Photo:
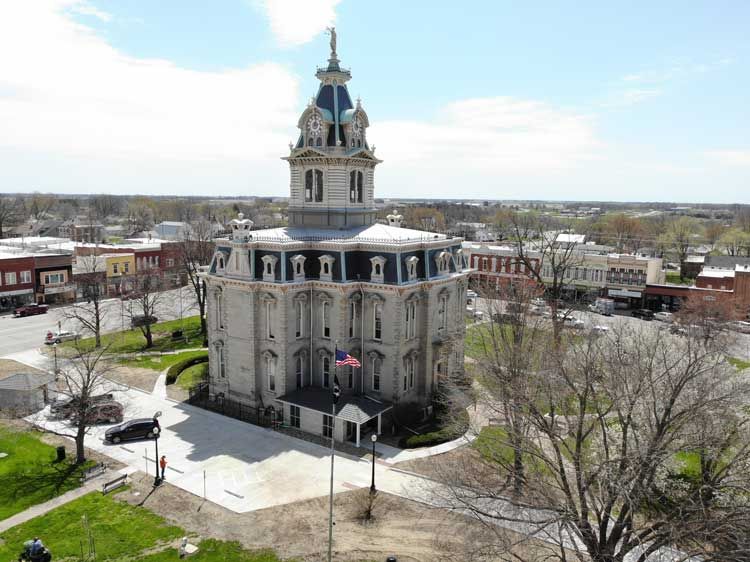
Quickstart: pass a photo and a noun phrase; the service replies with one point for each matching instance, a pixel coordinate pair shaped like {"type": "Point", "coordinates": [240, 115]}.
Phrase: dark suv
{"type": "Point", "coordinates": [643, 314]}
{"type": "Point", "coordinates": [142, 428]}
{"type": "Point", "coordinates": [142, 320]}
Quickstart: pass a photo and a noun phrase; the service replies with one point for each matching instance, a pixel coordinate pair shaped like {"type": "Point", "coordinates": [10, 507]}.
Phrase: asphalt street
{"type": "Point", "coordinates": [739, 348]}
{"type": "Point", "coordinates": [18, 334]}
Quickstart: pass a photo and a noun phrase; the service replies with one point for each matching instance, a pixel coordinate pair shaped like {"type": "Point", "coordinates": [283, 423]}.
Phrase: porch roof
{"type": "Point", "coordinates": [353, 408]}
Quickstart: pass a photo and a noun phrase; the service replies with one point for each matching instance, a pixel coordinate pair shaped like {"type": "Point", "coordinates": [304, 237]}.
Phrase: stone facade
{"type": "Point", "coordinates": [281, 301]}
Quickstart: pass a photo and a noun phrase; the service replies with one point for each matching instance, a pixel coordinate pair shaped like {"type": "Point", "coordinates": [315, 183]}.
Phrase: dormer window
{"type": "Point", "coordinates": [298, 267]}
{"type": "Point", "coordinates": [314, 186]}
{"type": "Point", "coordinates": [442, 260]}
{"type": "Point", "coordinates": [356, 180]}
{"type": "Point", "coordinates": [326, 267]}
{"type": "Point", "coordinates": [377, 273]}
{"type": "Point", "coordinates": [269, 267]}
{"type": "Point", "coordinates": [411, 268]}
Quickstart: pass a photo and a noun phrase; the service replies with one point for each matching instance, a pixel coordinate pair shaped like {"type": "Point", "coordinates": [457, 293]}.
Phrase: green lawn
{"type": "Point", "coordinates": [131, 341]}
{"type": "Point", "coordinates": [493, 444]}
{"type": "Point", "coordinates": [29, 475]}
{"type": "Point", "coordinates": [159, 363]}
{"type": "Point", "coordinates": [192, 376]}
{"type": "Point", "coordinates": [675, 279]}
{"type": "Point", "coordinates": [741, 364]}
{"type": "Point", "coordinates": [121, 533]}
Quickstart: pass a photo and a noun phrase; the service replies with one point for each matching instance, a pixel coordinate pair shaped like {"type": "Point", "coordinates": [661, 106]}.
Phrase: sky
{"type": "Point", "coordinates": [590, 100]}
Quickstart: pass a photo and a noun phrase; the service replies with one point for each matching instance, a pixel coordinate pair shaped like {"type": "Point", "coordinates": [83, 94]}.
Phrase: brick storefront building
{"type": "Point", "coordinates": [16, 280]}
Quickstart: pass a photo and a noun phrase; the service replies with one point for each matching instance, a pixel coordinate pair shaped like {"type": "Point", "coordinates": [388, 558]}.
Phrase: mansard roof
{"type": "Point", "coordinates": [371, 233]}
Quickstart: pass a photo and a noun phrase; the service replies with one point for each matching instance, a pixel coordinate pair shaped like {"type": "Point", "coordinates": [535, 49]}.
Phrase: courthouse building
{"type": "Point", "coordinates": [281, 300]}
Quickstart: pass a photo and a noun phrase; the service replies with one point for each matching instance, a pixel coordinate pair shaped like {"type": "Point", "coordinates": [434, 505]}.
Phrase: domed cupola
{"type": "Point", "coordinates": [332, 166]}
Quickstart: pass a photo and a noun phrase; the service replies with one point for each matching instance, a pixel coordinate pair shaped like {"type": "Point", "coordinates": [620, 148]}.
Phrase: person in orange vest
{"type": "Point", "coordinates": [163, 465]}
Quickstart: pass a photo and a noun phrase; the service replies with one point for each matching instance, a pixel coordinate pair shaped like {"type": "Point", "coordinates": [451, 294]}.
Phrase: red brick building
{"type": "Point", "coordinates": [53, 278]}
{"type": "Point", "coordinates": [16, 280]}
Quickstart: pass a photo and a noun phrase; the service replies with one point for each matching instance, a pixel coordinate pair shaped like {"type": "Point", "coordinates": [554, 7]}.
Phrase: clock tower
{"type": "Point", "coordinates": [332, 166]}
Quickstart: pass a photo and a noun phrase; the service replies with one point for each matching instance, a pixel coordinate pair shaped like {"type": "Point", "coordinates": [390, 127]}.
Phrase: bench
{"type": "Point", "coordinates": [92, 472]}
{"type": "Point", "coordinates": [107, 487]}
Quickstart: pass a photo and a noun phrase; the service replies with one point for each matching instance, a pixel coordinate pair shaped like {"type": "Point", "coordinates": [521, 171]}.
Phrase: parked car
{"type": "Point", "coordinates": [142, 320]}
{"type": "Point", "coordinates": [59, 337]}
{"type": "Point", "coordinates": [678, 330]}
{"type": "Point", "coordinates": [573, 322]}
{"type": "Point", "coordinates": [600, 329]}
{"type": "Point", "coordinates": [739, 326]}
{"type": "Point", "coordinates": [30, 310]}
{"type": "Point", "coordinates": [643, 314]}
{"type": "Point", "coordinates": [540, 302]}
{"type": "Point", "coordinates": [104, 412]}
{"type": "Point", "coordinates": [471, 294]}
{"type": "Point", "coordinates": [142, 428]}
{"type": "Point", "coordinates": [603, 306]}
{"type": "Point", "coordinates": [65, 408]}
{"type": "Point", "coordinates": [664, 316]}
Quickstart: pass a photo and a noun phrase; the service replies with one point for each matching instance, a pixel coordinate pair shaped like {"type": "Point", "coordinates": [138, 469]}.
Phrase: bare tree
{"type": "Point", "coordinates": [41, 205]}
{"type": "Point", "coordinates": [639, 441]}
{"type": "Point", "coordinates": [82, 378]}
{"type": "Point", "coordinates": [510, 347]}
{"type": "Point", "coordinates": [196, 250]}
{"type": "Point", "coordinates": [90, 281]}
{"type": "Point", "coordinates": [147, 299]}
{"type": "Point", "coordinates": [9, 213]}
{"type": "Point", "coordinates": [547, 261]}
{"type": "Point", "coordinates": [680, 233]}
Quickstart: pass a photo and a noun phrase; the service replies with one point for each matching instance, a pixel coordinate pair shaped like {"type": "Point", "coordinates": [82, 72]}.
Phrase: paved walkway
{"type": "Point", "coordinates": [42, 508]}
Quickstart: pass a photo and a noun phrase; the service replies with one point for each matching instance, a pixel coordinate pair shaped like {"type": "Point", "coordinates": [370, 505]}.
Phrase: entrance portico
{"type": "Point", "coordinates": [314, 406]}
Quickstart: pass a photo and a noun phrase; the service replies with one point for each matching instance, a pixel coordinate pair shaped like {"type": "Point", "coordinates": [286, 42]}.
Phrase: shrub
{"type": "Point", "coordinates": [452, 430]}
{"type": "Point", "coordinates": [174, 371]}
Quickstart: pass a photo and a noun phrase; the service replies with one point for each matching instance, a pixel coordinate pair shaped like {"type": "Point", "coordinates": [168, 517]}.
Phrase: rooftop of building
{"type": "Point", "coordinates": [375, 233]}
{"type": "Point", "coordinates": [716, 272]}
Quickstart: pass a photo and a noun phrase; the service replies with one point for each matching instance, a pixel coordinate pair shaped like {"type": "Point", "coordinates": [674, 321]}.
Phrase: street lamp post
{"type": "Point", "coordinates": [374, 439]}
{"type": "Point", "coordinates": [54, 348]}
{"type": "Point", "coordinates": [157, 431]}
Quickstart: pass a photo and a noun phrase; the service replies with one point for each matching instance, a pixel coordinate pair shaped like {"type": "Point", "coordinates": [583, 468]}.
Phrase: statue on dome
{"type": "Point", "coordinates": [332, 32]}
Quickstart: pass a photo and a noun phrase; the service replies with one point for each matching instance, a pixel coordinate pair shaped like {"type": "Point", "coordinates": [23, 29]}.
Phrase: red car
{"type": "Point", "coordinates": [30, 310]}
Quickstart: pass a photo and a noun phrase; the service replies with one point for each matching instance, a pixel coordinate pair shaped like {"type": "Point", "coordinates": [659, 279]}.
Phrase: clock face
{"type": "Point", "coordinates": [357, 126]}
{"type": "Point", "coordinates": [314, 124]}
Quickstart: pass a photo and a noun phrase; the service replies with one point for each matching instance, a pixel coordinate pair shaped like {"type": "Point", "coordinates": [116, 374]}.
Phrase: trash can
{"type": "Point", "coordinates": [60, 453]}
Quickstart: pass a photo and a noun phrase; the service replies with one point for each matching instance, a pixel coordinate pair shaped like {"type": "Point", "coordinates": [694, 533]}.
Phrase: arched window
{"type": "Point", "coordinates": [314, 185]}
{"type": "Point", "coordinates": [318, 185]}
{"type": "Point", "coordinates": [271, 372]}
{"type": "Point", "coordinates": [299, 323]}
{"type": "Point", "coordinates": [221, 360]}
{"type": "Point", "coordinates": [377, 321]}
{"type": "Point", "coordinates": [325, 269]}
{"type": "Point", "coordinates": [299, 268]}
{"type": "Point", "coordinates": [220, 264]}
{"type": "Point", "coordinates": [310, 142]}
{"type": "Point", "coordinates": [300, 366]}
{"type": "Point", "coordinates": [319, 141]}
{"type": "Point", "coordinates": [355, 186]}
{"type": "Point", "coordinates": [326, 369]}
{"type": "Point", "coordinates": [377, 269]}
{"type": "Point", "coordinates": [326, 319]}
{"type": "Point", "coordinates": [269, 271]}
{"type": "Point", "coordinates": [377, 368]}
{"type": "Point", "coordinates": [219, 310]}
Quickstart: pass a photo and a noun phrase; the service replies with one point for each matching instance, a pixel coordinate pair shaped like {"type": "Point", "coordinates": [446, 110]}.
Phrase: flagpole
{"type": "Point", "coordinates": [333, 450]}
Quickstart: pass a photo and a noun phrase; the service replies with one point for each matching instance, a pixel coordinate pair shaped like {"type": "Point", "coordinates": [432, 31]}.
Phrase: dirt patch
{"type": "Point", "coordinates": [411, 531]}
{"type": "Point", "coordinates": [145, 379]}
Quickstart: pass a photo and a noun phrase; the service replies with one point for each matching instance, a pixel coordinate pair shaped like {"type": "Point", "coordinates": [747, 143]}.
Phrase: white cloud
{"type": "Point", "coordinates": [65, 92]}
{"type": "Point", "coordinates": [86, 9]}
{"type": "Point", "coordinates": [730, 157]}
{"type": "Point", "coordinates": [631, 96]}
{"type": "Point", "coordinates": [480, 144]}
{"type": "Point", "coordinates": [296, 22]}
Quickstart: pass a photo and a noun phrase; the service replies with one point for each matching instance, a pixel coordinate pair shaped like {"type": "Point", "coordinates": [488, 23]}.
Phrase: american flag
{"type": "Point", "coordinates": [343, 359]}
